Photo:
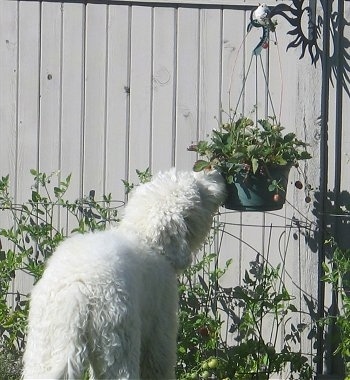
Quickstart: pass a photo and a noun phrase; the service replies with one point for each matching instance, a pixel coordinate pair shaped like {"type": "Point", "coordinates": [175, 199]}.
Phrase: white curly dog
{"type": "Point", "coordinates": [109, 300]}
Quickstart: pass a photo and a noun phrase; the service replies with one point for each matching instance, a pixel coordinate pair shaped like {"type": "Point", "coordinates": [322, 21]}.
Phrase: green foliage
{"type": "Point", "coordinates": [143, 176]}
{"type": "Point", "coordinates": [200, 324]}
{"type": "Point", "coordinates": [262, 298]}
{"type": "Point", "coordinates": [337, 273]}
{"type": "Point", "coordinates": [240, 147]}
{"type": "Point", "coordinates": [10, 365]}
{"type": "Point", "coordinates": [33, 234]}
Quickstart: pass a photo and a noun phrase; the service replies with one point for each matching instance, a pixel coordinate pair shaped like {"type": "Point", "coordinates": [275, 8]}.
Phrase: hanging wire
{"type": "Point", "coordinates": [267, 87]}
{"type": "Point", "coordinates": [281, 76]}
{"type": "Point", "coordinates": [257, 53]}
{"type": "Point", "coordinates": [243, 86]}
{"type": "Point", "coordinates": [235, 63]}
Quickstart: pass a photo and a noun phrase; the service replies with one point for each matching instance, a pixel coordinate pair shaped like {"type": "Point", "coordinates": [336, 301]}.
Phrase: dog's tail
{"type": "Point", "coordinates": [56, 346]}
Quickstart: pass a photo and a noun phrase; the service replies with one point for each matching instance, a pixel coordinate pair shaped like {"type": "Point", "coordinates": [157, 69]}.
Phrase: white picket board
{"type": "Point", "coordinates": [253, 86]}
{"type": "Point", "coordinates": [210, 43]}
{"type": "Point", "coordinates": [343, 223]}
{"type": "Point", "coordinates": [95, 98]}
{"type": "Point", "coordinates": [117, 102]}
{"type": "Point", "coordinates": [28, 109]}
{"type": "Point", "coordinates": [305, 124]}
{"type": "Point", "coordinates": [28, 95]}
{"type": "Point", "coordinates": [50, 87]}
{"type": "Point", "coordinates": [233, 26]}
{"type": "Point", "coordinates": [331, 169]}
{"type": "Point", "coordinates": [72, 96]}
{"type": "Point", "coordinates": [283, 68]}
{"type": "Point", "coordinates": [8, 82]}
{"type": "Point", "coordinates": [8, 108]}
{"type": "Point", "coordinates": [187, 85]}
{"type": "Point", "coordinates": [140, 90]}
{"type": "Point", "coordinates": [163, 84]}
{"type": "Point", "coordinates": [49, 137]}
{"type": "Point", "coordinates": [278, 231]}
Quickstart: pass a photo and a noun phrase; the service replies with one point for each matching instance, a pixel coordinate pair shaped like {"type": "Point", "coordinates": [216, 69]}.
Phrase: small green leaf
{"type": "Point", "coordinates": [281, 161]}
{"type": "Point", "coordinates": [36, 196]}
{"type": "Point", "coordinates": [289, 137]}
{"type": "Point", "coordinates": [230, 179]}
{"type": "Point", "coordinates": [304, 155]}
{"type": "Point", "coordinates": [57, 191]}
{"type": "Point", "coordinates": [255, 164]}
{"type": "Point", "coordinates": [201, 165]}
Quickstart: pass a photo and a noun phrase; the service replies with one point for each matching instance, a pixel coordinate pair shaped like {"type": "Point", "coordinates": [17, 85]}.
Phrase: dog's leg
{"type": "Point", "coordinates": [114, 347]}
{"type": "Point", "coordinates": [125, 365]}
{"type": "Point", "coordinates": [56, 347]}
{"type": "Point", "coordinates": [159, 352]}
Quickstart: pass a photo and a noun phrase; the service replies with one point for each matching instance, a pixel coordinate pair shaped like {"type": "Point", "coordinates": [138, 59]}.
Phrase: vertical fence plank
{"type": "Point", "coordinates": [187, 85]}
{"type": "Point", "coordinates": [28, 108]}
{"type": "Point", "coordinates": [8, 80]}
{"type": "Point", "coordinates": [210, 70]}
{"type": "Point", "coordinates": [255, 68]}
{"type": "Point", "coordinates": [299, 115]}
{"type": "Point", "coordinates": [95, 98]}
{"type": "Point", "coordinates": [117, 101]}
{"type": "Point", "coordinates": [252, 104]}
{"type": "Point", "coordinates": [28, 94]}
{"type": "Point", "coordinates": [232, 59]}
{"type": "Point", "coordinates": [163, 113]}
{"type": "Point", "coordinates": [140, 89]}
{"type": "Point", "coordinates": [72, 96]}
{"type": "Point", "coordinates": [344, 116]}
{"type": "Point", "coordinates": [231, 83]}
{"type": "Point", "coordinates": [49, 137]}
{"type": "Point", "coordinates": [8, 105]}
{"type": "Point", "coordinates": [281, 232]}
{"type": "Point", "coordinates": [50, 88]}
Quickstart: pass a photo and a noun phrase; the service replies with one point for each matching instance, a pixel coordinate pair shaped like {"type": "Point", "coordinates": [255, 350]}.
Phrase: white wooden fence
{"type": "Point", "coordinates": [103, 88]}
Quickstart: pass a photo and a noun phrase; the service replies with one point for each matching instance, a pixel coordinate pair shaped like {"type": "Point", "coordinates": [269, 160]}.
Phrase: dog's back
{"type": "Point", "coordinates": [99, 295]}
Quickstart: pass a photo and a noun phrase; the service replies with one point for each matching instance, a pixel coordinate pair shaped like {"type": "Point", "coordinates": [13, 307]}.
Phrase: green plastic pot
{"type": "Point", "coordinates": [251, 192]}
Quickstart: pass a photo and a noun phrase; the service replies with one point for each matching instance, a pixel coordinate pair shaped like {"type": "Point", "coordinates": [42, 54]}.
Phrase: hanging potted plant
{"type": "Point", "coordinates": [255, 161]}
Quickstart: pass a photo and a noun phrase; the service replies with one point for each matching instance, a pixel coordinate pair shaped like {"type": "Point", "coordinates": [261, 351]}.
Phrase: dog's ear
{"type": "Point", "coordinates": [213, 182]}
{"type": "Point", "coordinates": [177, 251]}
{"type": "Point", "coordinates": [170, 235]}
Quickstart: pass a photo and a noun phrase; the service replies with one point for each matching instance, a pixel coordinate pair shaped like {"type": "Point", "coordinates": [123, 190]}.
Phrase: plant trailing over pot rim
{"type": "Point", "coordinates": [254, 160]}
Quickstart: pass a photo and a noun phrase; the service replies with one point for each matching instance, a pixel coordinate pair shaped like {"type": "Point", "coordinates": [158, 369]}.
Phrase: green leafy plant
{"type": "Point", "coordinates": [200, 324]}
{"type": "Point", "coordinates": [240, 148]}
{"type": "Point", "coordinates": [10, 364]}
{"type": "Point", "coordinates": [143, 176]}
{"type": "Point", "coordinates": [262, 298]}
{"type": "Point", "coordinates": [35, 229]}
{"type": "Point", "coordinates": [337, 273]}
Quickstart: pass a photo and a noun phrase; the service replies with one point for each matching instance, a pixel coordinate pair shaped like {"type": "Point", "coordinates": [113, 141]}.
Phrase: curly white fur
{"type": "Point", "coordinates": [109, 300]}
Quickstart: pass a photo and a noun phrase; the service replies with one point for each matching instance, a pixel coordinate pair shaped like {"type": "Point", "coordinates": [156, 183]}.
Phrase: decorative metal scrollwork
{"type": "Point", "coordinates": [305, 36]}
{"type": "Point", "coordinates": [307, 28]}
